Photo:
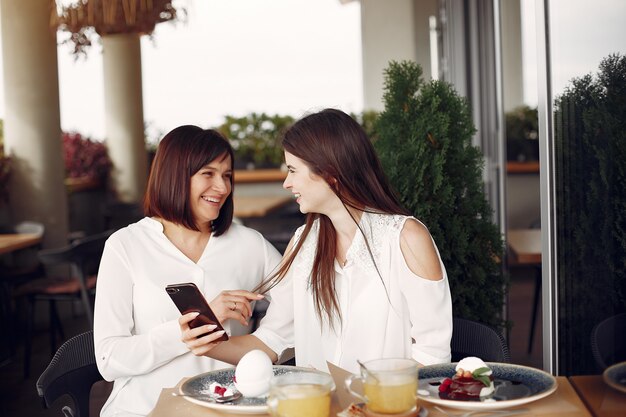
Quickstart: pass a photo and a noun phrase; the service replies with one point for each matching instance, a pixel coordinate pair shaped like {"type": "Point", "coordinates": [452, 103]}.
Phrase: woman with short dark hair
{"type": "Point", "coordinates": [187, 236]}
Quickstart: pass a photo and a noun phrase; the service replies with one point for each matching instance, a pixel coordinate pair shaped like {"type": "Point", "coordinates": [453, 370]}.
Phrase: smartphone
{"type": "Point", "coordinates": [188, 298]}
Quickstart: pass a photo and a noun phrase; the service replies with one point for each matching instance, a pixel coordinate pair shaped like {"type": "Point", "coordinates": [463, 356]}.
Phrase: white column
{"type": "Point", "coordinates": [512, 66]}
{"type": "Point", "coordinates": [423, 10]}
{"type": "Point", "coordinates": [392, 30]}
{"type": "Point", "coordinates": [123, 104]}
{"type": "Point", "coordinates": [387, 33]}
{"type": "Point", "coordinates": [32, 126]}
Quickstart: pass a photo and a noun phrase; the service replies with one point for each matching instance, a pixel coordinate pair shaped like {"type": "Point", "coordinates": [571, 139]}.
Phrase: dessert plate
{"type": "Point", "coordinates": [199, 385]}
{"type": "Point", "coordinates": [615, 376]}
{"type": "Point", "coordinates": [514, 385]}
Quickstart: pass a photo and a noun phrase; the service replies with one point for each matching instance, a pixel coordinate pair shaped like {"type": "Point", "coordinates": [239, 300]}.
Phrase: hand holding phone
{"type": "Point", "coordinates": [188, 298]}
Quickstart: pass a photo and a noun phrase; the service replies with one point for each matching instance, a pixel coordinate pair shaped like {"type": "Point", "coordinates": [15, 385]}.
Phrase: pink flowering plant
{"type": "Point", "coordinates": [85, 157]}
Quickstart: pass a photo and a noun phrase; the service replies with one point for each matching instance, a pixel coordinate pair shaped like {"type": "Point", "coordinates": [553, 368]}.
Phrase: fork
{"type": "Point", "coordinates": [495, 413]}
{"type": "Point", "coordinates": [212, 399]}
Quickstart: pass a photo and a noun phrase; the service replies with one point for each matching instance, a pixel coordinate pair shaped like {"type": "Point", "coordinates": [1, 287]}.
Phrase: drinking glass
{"type": "Point", "coordinates": [300, 394]}
{"type": "Point", "coordinates": [389, 385]}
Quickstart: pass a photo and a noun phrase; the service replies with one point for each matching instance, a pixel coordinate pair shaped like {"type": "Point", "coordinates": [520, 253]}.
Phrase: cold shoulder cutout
{"type": "Point", "coordinates": [418, 250]}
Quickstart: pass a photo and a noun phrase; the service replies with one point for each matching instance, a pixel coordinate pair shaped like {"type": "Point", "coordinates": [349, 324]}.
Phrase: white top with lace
{"type": "Point", "coordinates": [394, 314]}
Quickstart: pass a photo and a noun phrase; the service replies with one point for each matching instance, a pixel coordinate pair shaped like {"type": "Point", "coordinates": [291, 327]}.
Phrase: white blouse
{"type": "Point", "coordinates": [397, 315]}
{"type": "Point", "coordinates": [137, 338]}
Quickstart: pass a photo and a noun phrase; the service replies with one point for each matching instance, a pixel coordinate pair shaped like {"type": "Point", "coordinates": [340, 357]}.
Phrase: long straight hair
{"type": "Point", "coordinates": [336, 148]}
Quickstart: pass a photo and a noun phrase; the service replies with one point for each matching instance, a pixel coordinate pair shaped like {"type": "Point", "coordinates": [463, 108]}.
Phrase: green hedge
{"type": "Point", "coordinates": [424, 139]}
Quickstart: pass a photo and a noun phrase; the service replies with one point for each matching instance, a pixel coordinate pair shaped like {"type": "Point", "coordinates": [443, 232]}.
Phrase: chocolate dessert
{"type": "Point", "coordinates": [473, 380]}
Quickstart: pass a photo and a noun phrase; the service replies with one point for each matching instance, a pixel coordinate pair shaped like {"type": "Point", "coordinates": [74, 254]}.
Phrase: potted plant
{"type": "Point", "coordinates": [256, 139]}
{"type": "Point", "coordinates": [87, 163]}
{"type": "Point", "coordinates": [424, 139]}
{"type": "Point", "coordinates": [522, 137]}
{"type": "Point", "coordinates": [84, 20]}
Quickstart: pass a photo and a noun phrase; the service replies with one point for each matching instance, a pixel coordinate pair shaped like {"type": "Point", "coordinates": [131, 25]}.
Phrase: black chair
{"type": "Point", "coordinates": [72, 372]}
{"type": "Point", "coordinates": [608, 341]}
{"type": "Point", "coordinates": [83, 255]}
{"type": "Point", "coordinates": [118, 214]}
{"type": "Point", "coordinates": [536, 224]}
{"type": "Point", "coordinates": [278, 226]}
{"type": "Point", "coordinates": [470, 338]}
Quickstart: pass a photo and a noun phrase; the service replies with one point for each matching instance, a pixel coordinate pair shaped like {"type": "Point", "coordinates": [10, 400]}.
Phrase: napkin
{"type": "Point", "coordinates": [344, 398]}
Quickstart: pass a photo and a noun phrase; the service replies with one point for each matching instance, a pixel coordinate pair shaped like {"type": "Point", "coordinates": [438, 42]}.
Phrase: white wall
{"type": "Point", "coordinates": [392, 30]}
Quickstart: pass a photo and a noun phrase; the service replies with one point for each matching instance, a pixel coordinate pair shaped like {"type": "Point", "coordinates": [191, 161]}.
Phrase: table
{"type": "Point", "coordinates": [525, 246]}
{"type": "Point", "coordinates": [15, 241]}
{"type": "Point", "coordinates": [11, 242]}
{"type": "Point", "coordinates": [601, 399]}
{"type": "Point", "coordinates": [564, 402]}
{"type": "Point", "coordinates": [258, 206]}
{"type": "Point", "coordinates": [259, 175]}
{"type": "Point", "coordinates": [525, 250]}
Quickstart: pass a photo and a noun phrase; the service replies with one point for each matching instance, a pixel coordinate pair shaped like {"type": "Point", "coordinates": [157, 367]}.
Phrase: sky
{"type": "Point", "coordinates": [233, 57]}
{"type": "Point", "coordinates": [229, 57]}
{"type": "Point", "coordinates": [582, 33]}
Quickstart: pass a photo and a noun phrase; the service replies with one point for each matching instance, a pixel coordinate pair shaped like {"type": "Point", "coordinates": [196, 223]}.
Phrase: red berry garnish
{"type": "Point", "coordinates": [220, 390]}
{"type": "Point", "coordinates": [445, 384]}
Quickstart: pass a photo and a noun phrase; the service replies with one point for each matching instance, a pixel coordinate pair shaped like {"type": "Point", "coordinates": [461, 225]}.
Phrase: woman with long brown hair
{"type": "Point", "coordinates": [361, 279]}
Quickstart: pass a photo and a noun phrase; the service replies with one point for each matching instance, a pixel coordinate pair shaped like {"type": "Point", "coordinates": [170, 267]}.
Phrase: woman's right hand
{"type": "Point", "coordinates": [199, 346]}
{"type": "Point", "coordinates": [235, 305]}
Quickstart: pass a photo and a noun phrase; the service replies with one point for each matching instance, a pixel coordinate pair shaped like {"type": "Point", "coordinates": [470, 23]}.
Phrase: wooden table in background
{"type": "Point", "coordinates": [10, 242]}
{"type": "Point", "coordinates": [252, 206]}
{"type": "Point", "coordinates": [601, 399]}
{"type": "Point", "coordinates": [525, 250]}
{"type": "Point", "coordinates": [525, 246]}
{"type": "Point", "coordinates": [16, 241]}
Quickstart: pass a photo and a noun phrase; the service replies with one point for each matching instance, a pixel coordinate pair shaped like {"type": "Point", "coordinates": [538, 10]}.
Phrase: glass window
{"type": "Point", "coordinates": [588, 79]}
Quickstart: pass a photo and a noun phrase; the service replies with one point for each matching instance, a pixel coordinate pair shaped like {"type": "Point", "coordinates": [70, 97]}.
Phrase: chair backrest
{"type": "Point", "coordinates": [81, 252]}
{"type": "Point", "coordinates": [117, 214]}
{"type": "Point", "coordinates": [470, 338]}
{"type": "Point", "coordinates": [71, 371]}
{"type": "Point", "coordinates": [608, 341]}
{"type": "Point", "coordinates": [84, 257]}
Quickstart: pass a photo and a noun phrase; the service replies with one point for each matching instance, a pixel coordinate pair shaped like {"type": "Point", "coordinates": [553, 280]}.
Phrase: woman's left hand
{"type": "Point", "coordinates": [234, 305]}
{"type": "Point", "coordinates": [199, 340]}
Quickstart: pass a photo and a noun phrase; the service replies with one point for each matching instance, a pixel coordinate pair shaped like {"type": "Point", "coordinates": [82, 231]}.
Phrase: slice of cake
{"type": "Point", "coordinates": [473, 380]}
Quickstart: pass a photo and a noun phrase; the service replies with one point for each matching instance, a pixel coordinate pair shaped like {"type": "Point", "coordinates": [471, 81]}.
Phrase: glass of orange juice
{"type": "Point", "coordinates": [300, 394]}
{"type": "Point", "coordinates": [389, 385]}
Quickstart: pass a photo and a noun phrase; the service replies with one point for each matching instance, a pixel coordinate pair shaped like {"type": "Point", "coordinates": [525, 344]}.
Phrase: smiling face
{"type": "Point", "coordinates": [209, 188]}
{"type": "Point", "coordinates": [312, 193]}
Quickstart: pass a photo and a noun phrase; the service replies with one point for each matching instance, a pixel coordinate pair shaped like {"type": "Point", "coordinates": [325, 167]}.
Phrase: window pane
{"type": "Point", "coordinates": [588, 63]}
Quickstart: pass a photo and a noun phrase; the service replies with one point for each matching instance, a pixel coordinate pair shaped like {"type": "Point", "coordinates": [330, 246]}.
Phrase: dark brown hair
{"type": "Point", "coordinates": [181, 153]}
{"type": "Point", "coordinates": [336, 148]}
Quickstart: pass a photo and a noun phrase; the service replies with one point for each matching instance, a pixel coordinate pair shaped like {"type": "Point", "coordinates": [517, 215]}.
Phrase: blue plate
{"type": "Point", "coordinates": [199, 385]}
{"type": "Point", "coordinates": [615, 376]}
{"type": "Point", "coordinates": [514, 385]}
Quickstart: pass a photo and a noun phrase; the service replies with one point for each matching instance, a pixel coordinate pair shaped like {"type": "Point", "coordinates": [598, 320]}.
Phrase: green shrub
{"type": "Point", "coordinates": [425, 144]}
{"type": "Point", "coordinates": [256, 139]}
{"type": "Point", "coordinates": [590, 142]}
